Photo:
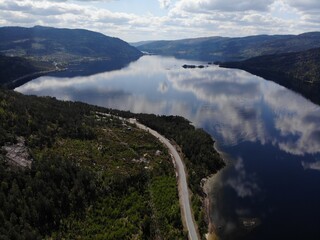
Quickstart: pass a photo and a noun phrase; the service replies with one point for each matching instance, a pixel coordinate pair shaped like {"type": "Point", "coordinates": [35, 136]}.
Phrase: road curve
{"type": "Point", "coordinates": [182, 181]}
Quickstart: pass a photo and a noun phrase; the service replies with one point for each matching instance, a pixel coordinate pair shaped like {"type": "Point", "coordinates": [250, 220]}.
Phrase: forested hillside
{"type": "Point", "coordinates": [232, 49]}
{"type": "Point", "coordinates": [13, 68]}
{"type": "Point", "coordinates": [26, 53]}
{"type": "Point", "coordinates": [70, 170]}
{"type": "Point", "coordinates": [91, 176]}
{"type": "Point", "coordinates": [197, 146]}
{"type": "Point", "coordinates": [298, 71]}
{"type": "Point", "coordinates": [57, 44]}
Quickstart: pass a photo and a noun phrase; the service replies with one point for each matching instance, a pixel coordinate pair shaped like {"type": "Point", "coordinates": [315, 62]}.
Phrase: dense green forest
{"type": "Point", "coordinates": [298, 71]}
{"type": "Point", "coordinates": [197, 146]}
{"type": "Point", "coordinates": [94, 176]}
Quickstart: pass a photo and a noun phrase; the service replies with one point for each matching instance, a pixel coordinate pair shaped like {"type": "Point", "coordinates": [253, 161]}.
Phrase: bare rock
{"type": "Point", "coordinates": [18, 154]}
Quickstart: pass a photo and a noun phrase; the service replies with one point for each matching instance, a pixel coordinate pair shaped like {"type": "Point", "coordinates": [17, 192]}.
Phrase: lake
{"type": "Point", "coordinates": [269, 135]}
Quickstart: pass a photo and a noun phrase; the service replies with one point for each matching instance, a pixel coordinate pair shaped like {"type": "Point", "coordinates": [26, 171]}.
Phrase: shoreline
{"type": "Point", "coordinates": [27, 78]}
{"type": "Point", "coordinates": [207, 199]}
{"type": "Point", "coordinates": [208, 227]}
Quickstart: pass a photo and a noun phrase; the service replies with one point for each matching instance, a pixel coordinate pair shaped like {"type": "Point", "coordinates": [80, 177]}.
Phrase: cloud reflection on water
{"type": "Point", "coordinates": [233, 105]}
{"type": "Point", "coordinates": [311, 166]}
{"type": "Point", "coordinates": [244, 185]}
{"type": "Point", "coordinates": [246, 108]}
{"type": "Point", "coordinates": [163, 87]}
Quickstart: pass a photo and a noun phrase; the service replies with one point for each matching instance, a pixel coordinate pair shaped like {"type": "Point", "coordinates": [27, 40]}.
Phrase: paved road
{"type": "Point", "coordinates": [182, 181]}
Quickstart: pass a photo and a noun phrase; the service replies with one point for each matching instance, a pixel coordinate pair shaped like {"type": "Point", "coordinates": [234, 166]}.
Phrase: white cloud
{"type": "Point", "coordinates": [71, 0]}
{"type": "Point", "coordinates": [184, 18]}
{"type": "Point", "coordinates": [40, 8]}
{"type": "Point", "coordinates": [305, 5]}
{"type": "Point", "coordinates": [309, 12]}
{"type": "Point", "coordinates": [224, 5]}
{"type": "Point", "coordinates": [164, 4]}
{"type": "Point", "coordinates": [65, 14]}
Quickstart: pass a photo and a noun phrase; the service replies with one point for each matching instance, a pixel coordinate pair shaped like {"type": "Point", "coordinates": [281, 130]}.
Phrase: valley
{"type": "Point", "coordinates": [85, 172]}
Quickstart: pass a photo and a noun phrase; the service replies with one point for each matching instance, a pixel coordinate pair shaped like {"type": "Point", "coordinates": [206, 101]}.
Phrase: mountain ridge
{"type": "Point", "coordinates": [39, 50]}
{"type": "Point", "coordinates": [233, 49]}
{"type": "Point", "coordinates": [299, 71]}
{"type": "Point", "coordinates": [74, 41]}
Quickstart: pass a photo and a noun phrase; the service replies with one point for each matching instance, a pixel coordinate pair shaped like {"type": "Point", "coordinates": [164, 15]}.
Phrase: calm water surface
{"type": "Point", "coordinates": [270, 137]}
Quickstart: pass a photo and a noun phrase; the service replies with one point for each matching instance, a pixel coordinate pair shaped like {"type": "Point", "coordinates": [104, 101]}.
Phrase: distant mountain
{"type": "Point", "coordinates": [137, 44]}
{"type": "Point", "coordinates": [61, 48]}
{"type": "Point", "coordinates": [66, 44]}
{"type": "Point", "coordinates": [233, 49]}
{"type": "Point", "coordinates": [299, 71]}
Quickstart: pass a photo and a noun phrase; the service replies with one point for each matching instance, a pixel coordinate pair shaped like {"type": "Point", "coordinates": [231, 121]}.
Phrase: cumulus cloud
{"type": "Point", "coordinates": [66, 14]}
{"type": "Point", "coordinates": [70, 0]}
{"type": "Point", "coordinates": [224, 5]}
{"type": "Point", "coordinates": [184, 18]}
{"type": "Point", "coordinates": [164, 4]}
{"type": "Point", "coordinates": [305, 5]}
{"type": "Point", "coordinates": [40, 8]}
{"type": "Point", "coordinates": [308, 12]}
{"type": "Point", "coordinates": [227, 18]}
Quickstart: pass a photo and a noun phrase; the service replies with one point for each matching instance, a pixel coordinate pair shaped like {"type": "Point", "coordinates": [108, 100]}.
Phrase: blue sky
{"type": "Point", "coordinates": [138, 20]}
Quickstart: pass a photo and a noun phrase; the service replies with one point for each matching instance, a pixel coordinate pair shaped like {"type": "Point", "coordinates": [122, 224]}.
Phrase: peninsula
{"type": "Point", "coordinates": [89, 162]}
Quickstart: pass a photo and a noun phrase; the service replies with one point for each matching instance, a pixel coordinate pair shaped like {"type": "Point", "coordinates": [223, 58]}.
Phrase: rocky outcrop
{"type": "Point", "coordinates": [18, 154]}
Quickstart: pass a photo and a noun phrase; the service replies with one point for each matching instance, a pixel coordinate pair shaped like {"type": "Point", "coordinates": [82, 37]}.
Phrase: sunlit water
{"type": "Point", "coordinates": [270, 136]}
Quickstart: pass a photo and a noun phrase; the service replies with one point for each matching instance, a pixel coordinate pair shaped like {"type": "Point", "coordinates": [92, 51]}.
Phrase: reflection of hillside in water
{"type": "Point", "coordinates": [246, 108]}
{"type": "Point", "coordinates": [233, 104]}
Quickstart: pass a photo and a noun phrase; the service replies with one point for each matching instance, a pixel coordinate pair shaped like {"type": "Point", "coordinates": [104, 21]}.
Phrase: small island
{"type": "Point", "coordinates": [193, 66]}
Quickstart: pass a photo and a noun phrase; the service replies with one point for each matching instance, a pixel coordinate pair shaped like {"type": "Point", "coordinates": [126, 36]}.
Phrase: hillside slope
{"type": "Point", "coordinates": [16, 70]}
{"type": "Point", "coordinates": [41, 49]}
{"type": "Point", "coordinates": [233, 49]}
{"type": "Point", "coordinates": [299, 71]}
{"type": "Point", "coordinates": [69, 170]}
{"type": "Point", "coordinates": [63, 44]}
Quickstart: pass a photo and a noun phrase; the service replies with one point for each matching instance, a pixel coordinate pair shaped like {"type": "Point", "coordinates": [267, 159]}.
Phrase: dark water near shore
{"type": "Point", "coordinates": [270, 135]}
